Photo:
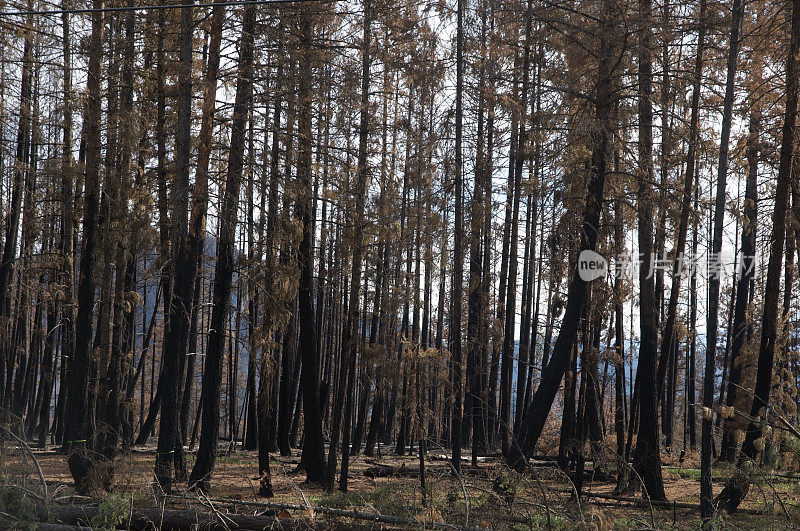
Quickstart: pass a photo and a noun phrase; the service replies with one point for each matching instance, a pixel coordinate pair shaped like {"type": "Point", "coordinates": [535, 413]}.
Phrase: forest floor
{"type": "Point", "coordinates": [492, 496]}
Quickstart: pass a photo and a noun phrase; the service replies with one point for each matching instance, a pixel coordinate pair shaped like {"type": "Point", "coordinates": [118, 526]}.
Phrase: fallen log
{"type": "Point", "coordinates": [641, 502]}
{"type": "Point", "coordinates": [60, 527]}
{"type": "Point", "coordinates": [173, 519]}
{"type": "Point", "coordinates": [10, 522]}
{"type": "Point", "coordinates": [44, 526]}
{"type": "Point", "coordinates": [388, 471]}
{"type": "Point", "coordinates": [354, 514]}
{"type": "Point", "coordinates": [464, 459]}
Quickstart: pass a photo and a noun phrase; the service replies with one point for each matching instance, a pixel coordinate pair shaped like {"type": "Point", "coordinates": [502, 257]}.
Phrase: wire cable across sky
{"type": "Point", "coordinates": [153, 7]}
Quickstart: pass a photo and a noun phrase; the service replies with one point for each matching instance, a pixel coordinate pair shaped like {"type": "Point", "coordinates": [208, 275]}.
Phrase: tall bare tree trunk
{"type": "Point", "coordinates": [68, 175]}
{"type": "Point", "coordinates": [458, 251]}
{"type": "Point", "coordinates": [646, 456]}
{"type": "Point", "coordinates": [737, 488]}
{"type": "Point", "coordinates": [506, 422]}
{"type": "Point", "coordinates": [350, 332]}
{"type": "Point", "coordinates": [536, 414]}
{"type": "Point", "coordinates": [313, 457]}
{"type": "Point", "coordinates": [668, 338]}
{"type": "Point", "coordinates": [21, 160]}
{"type": "Point", "coordinates": [746, 274]}
{"type": "Point", "coordinates": [477, 304]}
{"type": "Point", "coordinates": [223, 274]}
{"type": "Point", "coordinates": [80, 464]}
{"type": "Point", "coordinates": [176, 332]}
{"type": "Point", "coordinates": [706, 442]}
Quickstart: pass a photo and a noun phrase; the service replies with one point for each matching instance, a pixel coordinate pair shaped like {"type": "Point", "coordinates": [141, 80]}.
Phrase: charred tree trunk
{"type": "Point", "coordinates": [350, 332]}
{"type": "Point", "coordinates": [746, 274]}
{"type": "Point", "coordinates": [567, 434]}
{"type": "Point", "coordinates": [646, 455]}
{"type": "Point", "coordinates": [176, 331]}
{"type": "Point", "coordinates": [668, 338]}
{"type": "Point", "coordinates": [620, 412]}
{"type": "Point", "coordinates": [458, 250]}
{"type": "Point", "coordinates": [21, 160]}
{"type": "Point", "coordinates": [506, 422]}
{"type": "Point", "coordinates": [268, 391]}
{"type": "Point", "coordinates": [706, 509]}
{"type": "Point", "coordinates": [68, 175]}
{"type": "Point", "coordinates": [80, 464]}
{"type": "Point", "coordinates": [313, 458]}
{"type": "Point", "coordinates": [223, 274]}
{"type": "Point", "coordinates": [536, 414]}
{"type": "Point", "coordinates": [477, 335]}
{"type": "Point", "coordinates": [738, 486]}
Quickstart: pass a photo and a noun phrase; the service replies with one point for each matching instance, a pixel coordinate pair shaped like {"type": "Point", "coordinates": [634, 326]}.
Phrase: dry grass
{"type": "Point", "coordinates": [235, 478]}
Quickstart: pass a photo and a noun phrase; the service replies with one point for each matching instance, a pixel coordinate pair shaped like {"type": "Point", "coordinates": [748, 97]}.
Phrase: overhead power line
{"type": "Point", "coordinates": [153, 7]}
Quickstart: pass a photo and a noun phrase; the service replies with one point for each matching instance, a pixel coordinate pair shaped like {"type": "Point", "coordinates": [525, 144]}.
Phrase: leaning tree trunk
{"type": "Point", "coordinates": [536, 414]}
{"type": "Point", "coordinates": [746, 274]}
{"type": "Point", "coordinates": [737, 488]}
{"type": "Point", "coordinates": [223, 274]}
{"type": "Point", "coordinates": [706, 509]}
{"type": "Point", "coordinates": [350, 332]}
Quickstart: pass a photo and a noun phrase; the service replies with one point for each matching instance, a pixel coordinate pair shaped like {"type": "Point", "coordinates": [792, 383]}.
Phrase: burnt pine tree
{"type": "Point", "coordinates": [68, 172]}
{"type": "Point", "coordinates": [223, 274]}
{"type": "Point", "coordinates": [542, 401]}
{"type": "Point", "coordinates": [506, 422]}
{"type": "Point", "coordinates": [313, 457]}
{"type": "Point", "coordinates": [75, 436]}
{"type": "Point", "coordinates": [11, 236]}
{"type": "Point", "coordinates": [199, 204]}
{"type": "Point", "coordinates": [737, 487]}
{"type": "Point", "coordinates": [350, 331]}
{"type": "Point", "coordinates": [458, 250]}
{"type": "Point", "coordinates": [620, 412]}
{"type": "Point", "coordinates": [741, 321]}
{"type": "Point", "coordinates": [646, 456]}
{"type": "Point", "coordinates": [176, 331]}
{"type": "Point", "coordinates": [706, 509]}
{"type": "Point", "coordinates": [668, 338]}
{"type": "Point", "coordinates": [126, 252]}
{"type": "Point", "coordinates": [477, 304]}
